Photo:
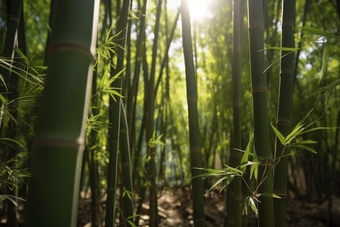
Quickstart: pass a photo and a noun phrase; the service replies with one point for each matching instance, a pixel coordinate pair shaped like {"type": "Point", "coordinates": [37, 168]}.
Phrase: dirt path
{"type": "Point", "coordinates": [175, 209]}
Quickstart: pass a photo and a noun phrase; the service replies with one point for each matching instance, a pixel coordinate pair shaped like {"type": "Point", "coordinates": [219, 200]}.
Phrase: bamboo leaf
{"type": "Point", "coordinates": [254, 168]}
{"type": "Point", "coordinates": [249, 163]}
{"type": "Point", "coordinates": [266, 194]}
{"type": "Point", "coordinates": [304, 119]}
{"type": "Point", "coordinates": [253, 205]}
{"type": "Point", "coordinates": [329, 86]}
{"type": "Point", "coordinates": [246, 155]}
{"type": "Point", "coordinates": [294, 134]}
{"type": "Point", "coordinates": [279, 136]}
{"type": "Point", "coordinates": [316, 31]}
{"type": "Point", "coordinates": [217, 183]}
{"type": "Point", "coordinates": [306, 142]}
{"type": "Point", "coordinates": [130, 222]}
{"type": "Point", "coordinates": [2, 98]}
{"type": "Point", "coordinates": [133, 15]}
{"type": "Point", "coordinates": [103, 79]}
{"type": "Point", "coordinates": [49, 29]}
{"type": "Point", "coordinates": [275, 61]}
{"type": "Point", "coordinates": [116, 76]}
{"type": "Point", "coordinates": [234, 170]}
{"type": "Point", "coordinates": [289, 49]}
{"type": "Point", "coordinates": [22, 55]}
{"type": "Point", "coordinates": [112, 93]}
{"type": "Point", "coordinates": [304, 147]}
{"type": "Point", "coordinates": [298, 129]}
{"type": "Point", "coordinates": [3, 82]}
{"type": "Point", "coordinates": [325, 58]}
{"type": "Point", "coordinates": [249, 202]}
{"type": "Point", "coordinates": [245, 206]}
{"type": "Point", "coordinates": [318, 128]}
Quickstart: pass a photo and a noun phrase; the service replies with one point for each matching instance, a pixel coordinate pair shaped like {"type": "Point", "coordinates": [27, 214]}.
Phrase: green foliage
{"type": "Point", "coordinates": [250, 158]}
{"type": "Point", "coordinates": [130, 219]}
{"type": "Point", "coordinates": [105, 83]}
{"type": "Point", "coordinates": [13, 175]}
{"type": "Point", "coordinates": [329, 40]}
{"type": "Point", "coordinates": [129, 194]}
{"type": "Point", "coordinates": [299, 130]}
{"type": "Point", "coordinates": [154, 141]}
{"type": "Point", "coordinates": [228, 173]}
{"type": "Point", "coordinates": [17, 117]}
{"type": "Point", "coordinates": [249, 201]}
{"type": "Point", "coordinates": [106, 49]}
{"type": "Point", "coordinates": [12, 172]}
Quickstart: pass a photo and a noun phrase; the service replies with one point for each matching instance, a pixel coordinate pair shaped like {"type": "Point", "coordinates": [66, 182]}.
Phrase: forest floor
{"type": "Point", "coordinates": [175, 209]}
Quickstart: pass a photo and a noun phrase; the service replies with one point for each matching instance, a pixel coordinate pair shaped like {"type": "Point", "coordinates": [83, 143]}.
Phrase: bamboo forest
{"type": "Point", "coordinates": [169, 113]}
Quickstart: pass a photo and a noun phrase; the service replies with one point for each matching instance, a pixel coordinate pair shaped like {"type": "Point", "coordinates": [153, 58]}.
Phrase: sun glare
{"type": "Point", "coordinates": [199, 9]}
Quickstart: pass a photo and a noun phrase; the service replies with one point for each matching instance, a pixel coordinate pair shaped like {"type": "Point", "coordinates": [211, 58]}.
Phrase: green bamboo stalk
{"type": "Point", "coordinates": [234, 210]}
{"type": "Point", "coordinates": [164, 99]}
{"type": "Point", "coordinates": [91, 151]}
{"type": "Point", "coordinates": [284, 111]}
{"type": "Point", "coordinates": [165, 58]}
{"type": "Point", "coordinates": [127, 208]}
{"type": "Point", "coordinates": [260, 102]}
{"type": "Point", "coordinates": [150, 122]}
{"type": "Point", "coordinates": [132, 97]}
{"type": "Point", "coordinates": [194, 134]}
{"type": "Point", "coordinates": [114, 117]}
{"type": "Point", "coordinates": [141, 194]}
{"type": "Point", "coordinates": [333, 171]}
{"type": "Point", "coordinates": [59, 143]}
{"type": "Point", "coordinates": [297, 56]}
{"type": "Point", "coordinates": [143, 185]}
{"type": "Point", "coordinates": [94, 184]}
{"type": "Point", "coordinates": [127, 81]}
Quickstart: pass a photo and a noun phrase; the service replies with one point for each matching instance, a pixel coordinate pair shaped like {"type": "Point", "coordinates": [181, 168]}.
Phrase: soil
{"type": "Point", "coordinates": [175, 209]}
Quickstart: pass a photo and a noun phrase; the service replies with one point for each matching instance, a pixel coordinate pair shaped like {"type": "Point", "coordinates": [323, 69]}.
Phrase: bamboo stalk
{"type": "Point", "coordinates": [132, 97]}
{"type": "Point", "coordinates": [260, 102]}
{"type": "Point", "coordinates": [150, 121]}
{"type": "Point", "coordinates": [127, 208]}
{"type": "Point", "coordinates": [234, 210]}
{"type": "Point", "coordinates": [284, 111]}
{"type": "Point", "coordinates": [194, 134]}
{"type": "Point", "coordinates": [114, 116]}
{"type": "Point", "coordinates": [59, 143]}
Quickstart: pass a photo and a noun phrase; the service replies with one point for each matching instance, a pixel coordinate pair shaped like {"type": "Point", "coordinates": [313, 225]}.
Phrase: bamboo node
{"type": "Point", "coordinates": [14, 19]}
{"type": "Point", "coordinates": [259, 90]}
{"type": "Point", "coordinates": [111, 188]}
{"type": "Point", "coordinates": [113, 141]}
{"type": "Point", "coordinates": [192, 98]}
{"type": "Point", "coordinates": [283, 123]}
{"type": "Point", "coordinates": [199, 219]}
{"type": "Point", "coordinates": [195, 149]}
{"type": "Point", "coordinates": [59, 47]}
{"type": "Point", "coordinates": [59, 142]}
{"type": "Point", "coordinates": [258, 24]}
{"type": "Point", "coordinates": [237, 105]}
{"type": "Point", "coordinates": [286, 72]}
{"type": "Point", "coordinates": [125, 164]}
{"type": "Point", "coordinates": [288, 24]}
